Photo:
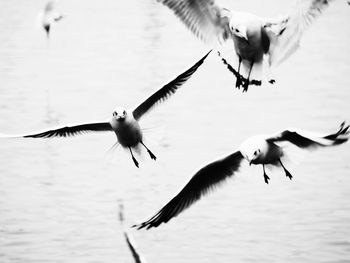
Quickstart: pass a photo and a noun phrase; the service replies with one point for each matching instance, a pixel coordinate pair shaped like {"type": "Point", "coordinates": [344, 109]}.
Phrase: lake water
{"type": "Point", "coordinates": [59, 198]}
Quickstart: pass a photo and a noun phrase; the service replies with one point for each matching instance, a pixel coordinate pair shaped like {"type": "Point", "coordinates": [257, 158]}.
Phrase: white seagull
{"type": "Point", "coordinates": [124, 122]}
{"type": "Point", "coordinates": [48, 16]}
{"type": "Point", "coordinates": [256, 39]}
{"type": "Point", "coordinates": [256, 150]}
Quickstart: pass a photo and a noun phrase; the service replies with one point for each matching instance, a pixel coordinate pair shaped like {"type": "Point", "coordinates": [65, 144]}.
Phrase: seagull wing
{"type": "Point", "coordinates": [138, 258]}
{"type": "Point", "coordinates": [305, 139]}
{"type": "Point", "coordinates": [167, 90]}
{"type": "Point", "coordinates": [204, 18]}
{"type": "Point", "coordinates": [200, 184]}
{"type": "Point", "coordinates": [285, 33]}
{"type": "Point", "coordinates": [71, 130]}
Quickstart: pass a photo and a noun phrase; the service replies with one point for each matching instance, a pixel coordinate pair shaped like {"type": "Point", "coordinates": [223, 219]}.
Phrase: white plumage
{"type": "Point", "coordinates": [255, 38]}
{"type": "Point", "coordinates": [260, 149]}
{"type": "Point", "coordinates": [124, 122]}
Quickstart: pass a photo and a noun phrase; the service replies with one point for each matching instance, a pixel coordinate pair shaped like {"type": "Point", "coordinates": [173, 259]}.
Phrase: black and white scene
{"type": "Point", "coordinates": [174, 131]}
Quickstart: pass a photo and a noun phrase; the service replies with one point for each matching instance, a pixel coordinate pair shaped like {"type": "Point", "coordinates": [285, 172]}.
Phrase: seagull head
{"type": "Point", "coordinates": [253, 157]}
{"type": "Point", "coordinates": [238, 29]}
{"type": "Point", "coordinates": [119, 114]}
{"type": "Point", "coordinates": [253, 149]}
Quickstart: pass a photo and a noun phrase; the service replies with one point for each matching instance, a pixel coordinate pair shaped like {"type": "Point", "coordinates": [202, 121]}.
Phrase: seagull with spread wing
{"type": "Point", "coordinates": [125, 122]}
{"type": "Point", "coordinates": [256, 39]}
{"type": "Point", "coordinates": [256, 150]}
{"type": "Point", "coordinates": [48, 16]}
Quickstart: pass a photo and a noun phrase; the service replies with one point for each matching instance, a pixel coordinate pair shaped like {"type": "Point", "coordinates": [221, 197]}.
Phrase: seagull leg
{"type": "Point", "coordinates": [285, 170]}
{"type": "Point", "coordinates": [239, 78]}
{"type": "Point", "coordinates": [153, 157]}
{"type": "Point", "coordinates": [266, 178]}
{"type": "Point", "coordinates": [134, 159]}
{"type": "Point", "coordinates": [246, 84]}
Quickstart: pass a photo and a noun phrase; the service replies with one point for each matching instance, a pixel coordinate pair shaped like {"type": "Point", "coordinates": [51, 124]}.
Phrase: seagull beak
{"type": "Point", "coordinates": [250, 163]}
{"type": "Point", "coordinates": [244, 36]}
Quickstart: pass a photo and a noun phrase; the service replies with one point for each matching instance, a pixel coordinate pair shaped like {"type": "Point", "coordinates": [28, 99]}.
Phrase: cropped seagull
{"type": "Point", "coordinates": [48, 16]}
{"type": "Point", "coordinates": [255, 39]}
{"type": "Point", "coordinates": [137, 256]}
{"type": "Point", "coordinates": [260, 149]}
{"type": "Point", "coordinates": [125, 122]}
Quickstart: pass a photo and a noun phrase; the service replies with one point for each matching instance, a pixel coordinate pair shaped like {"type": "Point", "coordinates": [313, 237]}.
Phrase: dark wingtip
{"type": "Point", "coordinates": [343, 131]}
{"type": "Point", "coordinates": [203, 58]}
{"type": "Point", "coordinates": [208, 53]}
{"type": "Point", "coordinates": [140, 226]}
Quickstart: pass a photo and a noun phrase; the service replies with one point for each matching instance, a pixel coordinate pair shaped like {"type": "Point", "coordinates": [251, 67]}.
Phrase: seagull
{"type": "Point", "coordinates": [137, 256]}
{"type": "Point", "coordinates": [258, 42]}
{"type": "Point", "coordinates": [125, 123]}
{"type": "Point", "coordinates": [48, 16]}
{"type": "Point", "coordinates": [258, 150]}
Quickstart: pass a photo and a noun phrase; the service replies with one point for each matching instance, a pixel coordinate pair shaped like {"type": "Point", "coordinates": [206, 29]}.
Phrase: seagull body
{"type": "Point", "coordinates": [256, 39]}
{"type": "Point", "coordinates": [125, 123]}
{"type": "Point", "coordinates": [49, 16]}
{"type": "Point", "coordinates": [258, 150]}
{"type": "Point", "coordinates": [127, 129]}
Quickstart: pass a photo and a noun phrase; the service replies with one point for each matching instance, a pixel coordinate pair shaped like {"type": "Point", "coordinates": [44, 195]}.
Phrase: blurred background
{"type": "Point", "coordinates": [59, 197]}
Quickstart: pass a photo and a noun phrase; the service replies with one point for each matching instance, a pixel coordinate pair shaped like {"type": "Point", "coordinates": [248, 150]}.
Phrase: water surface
{"type": "Point", "coordinates": [59, 198]}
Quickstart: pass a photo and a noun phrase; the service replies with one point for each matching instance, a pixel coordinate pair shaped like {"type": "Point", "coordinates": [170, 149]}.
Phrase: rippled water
{"type": "Point", "coordinates": [59, 198]}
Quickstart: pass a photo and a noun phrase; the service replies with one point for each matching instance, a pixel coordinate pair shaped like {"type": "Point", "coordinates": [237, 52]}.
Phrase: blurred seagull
{"type": "Point", "coordinates": [256, 150]}
{"type": "Point", "coordinates": [48, 16]}
{"type": "Point", "coordinates": [137, 256]}
{"type": "Point", "coordinates": [125, 122]}
{"type": "Point", "coordinates": [256, 39]}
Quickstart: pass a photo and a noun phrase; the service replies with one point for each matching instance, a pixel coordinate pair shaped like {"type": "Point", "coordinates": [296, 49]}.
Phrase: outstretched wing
{"type": "Point", "coordinates": [204, 18]}
{"type": "Point", "coordinates": [285, 33]}
{"type": "Point", "coordinates": [71, 130]}
{"type": "Point", "coordinates": [167, 90]}
{"type": "Point", "coordinates": [305, 139]}
{"type": "Point", "coordinates": [204, 180]}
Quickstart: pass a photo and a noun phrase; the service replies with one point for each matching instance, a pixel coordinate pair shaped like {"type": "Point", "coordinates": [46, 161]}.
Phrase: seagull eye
{"type": "Point", "coordinates": [124, 112]}
{"type": "Point", "coordinates": [256, 152]}
{"type": "Point", "coordinates": [115, 114]}
{"type": "Point", "coordinates": [237, 30]}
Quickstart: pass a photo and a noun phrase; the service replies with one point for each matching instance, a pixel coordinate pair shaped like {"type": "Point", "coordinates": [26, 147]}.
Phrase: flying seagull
{"type": "Point", "coordinates": [48, 16]}
{"type": "Point", "coordinates": [260, 149]}
{"type": "Point", "coordinates": [137, 256]}
{"type": "Point", "coordinates": [256, 39]}
{"type": "Point", "coordinates": [125, 122]}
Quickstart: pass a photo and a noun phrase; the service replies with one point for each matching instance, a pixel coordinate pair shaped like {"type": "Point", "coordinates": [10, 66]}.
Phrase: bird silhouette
{"type": "Point", "coordinates": [259, 42]}
{"type": "Point", "coordinates": [261, 149]}
{"type": "Point", "coordinates": [125, 123]}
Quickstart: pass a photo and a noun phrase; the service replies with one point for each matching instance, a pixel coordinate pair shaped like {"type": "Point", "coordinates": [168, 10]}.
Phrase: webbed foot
{"type": "Point", "coordinates": [245, 86]}
{"type": "Point", "coordinates": [266, 178]}
{"type": "Point", "coordinates": [135, 162]}
{"type": "Point", "coordinates": [238, 82]}
{"type": "Point", "coordinates": [153, 157]}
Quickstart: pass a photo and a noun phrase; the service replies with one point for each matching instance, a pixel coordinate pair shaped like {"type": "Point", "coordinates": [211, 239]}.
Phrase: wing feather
{"type": "Point", "coordinates": [71, 130]}
{"type": "Point", "coordinates": [204, 18]}
{"type": "Point", "coordinates": [167, 90]}
{"type": "Point", "coordinates": [305, 139]}
{"type": "Point", "coordinates": [200, 184]}
{"type": "Point", "coordinates": [286, 32]}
